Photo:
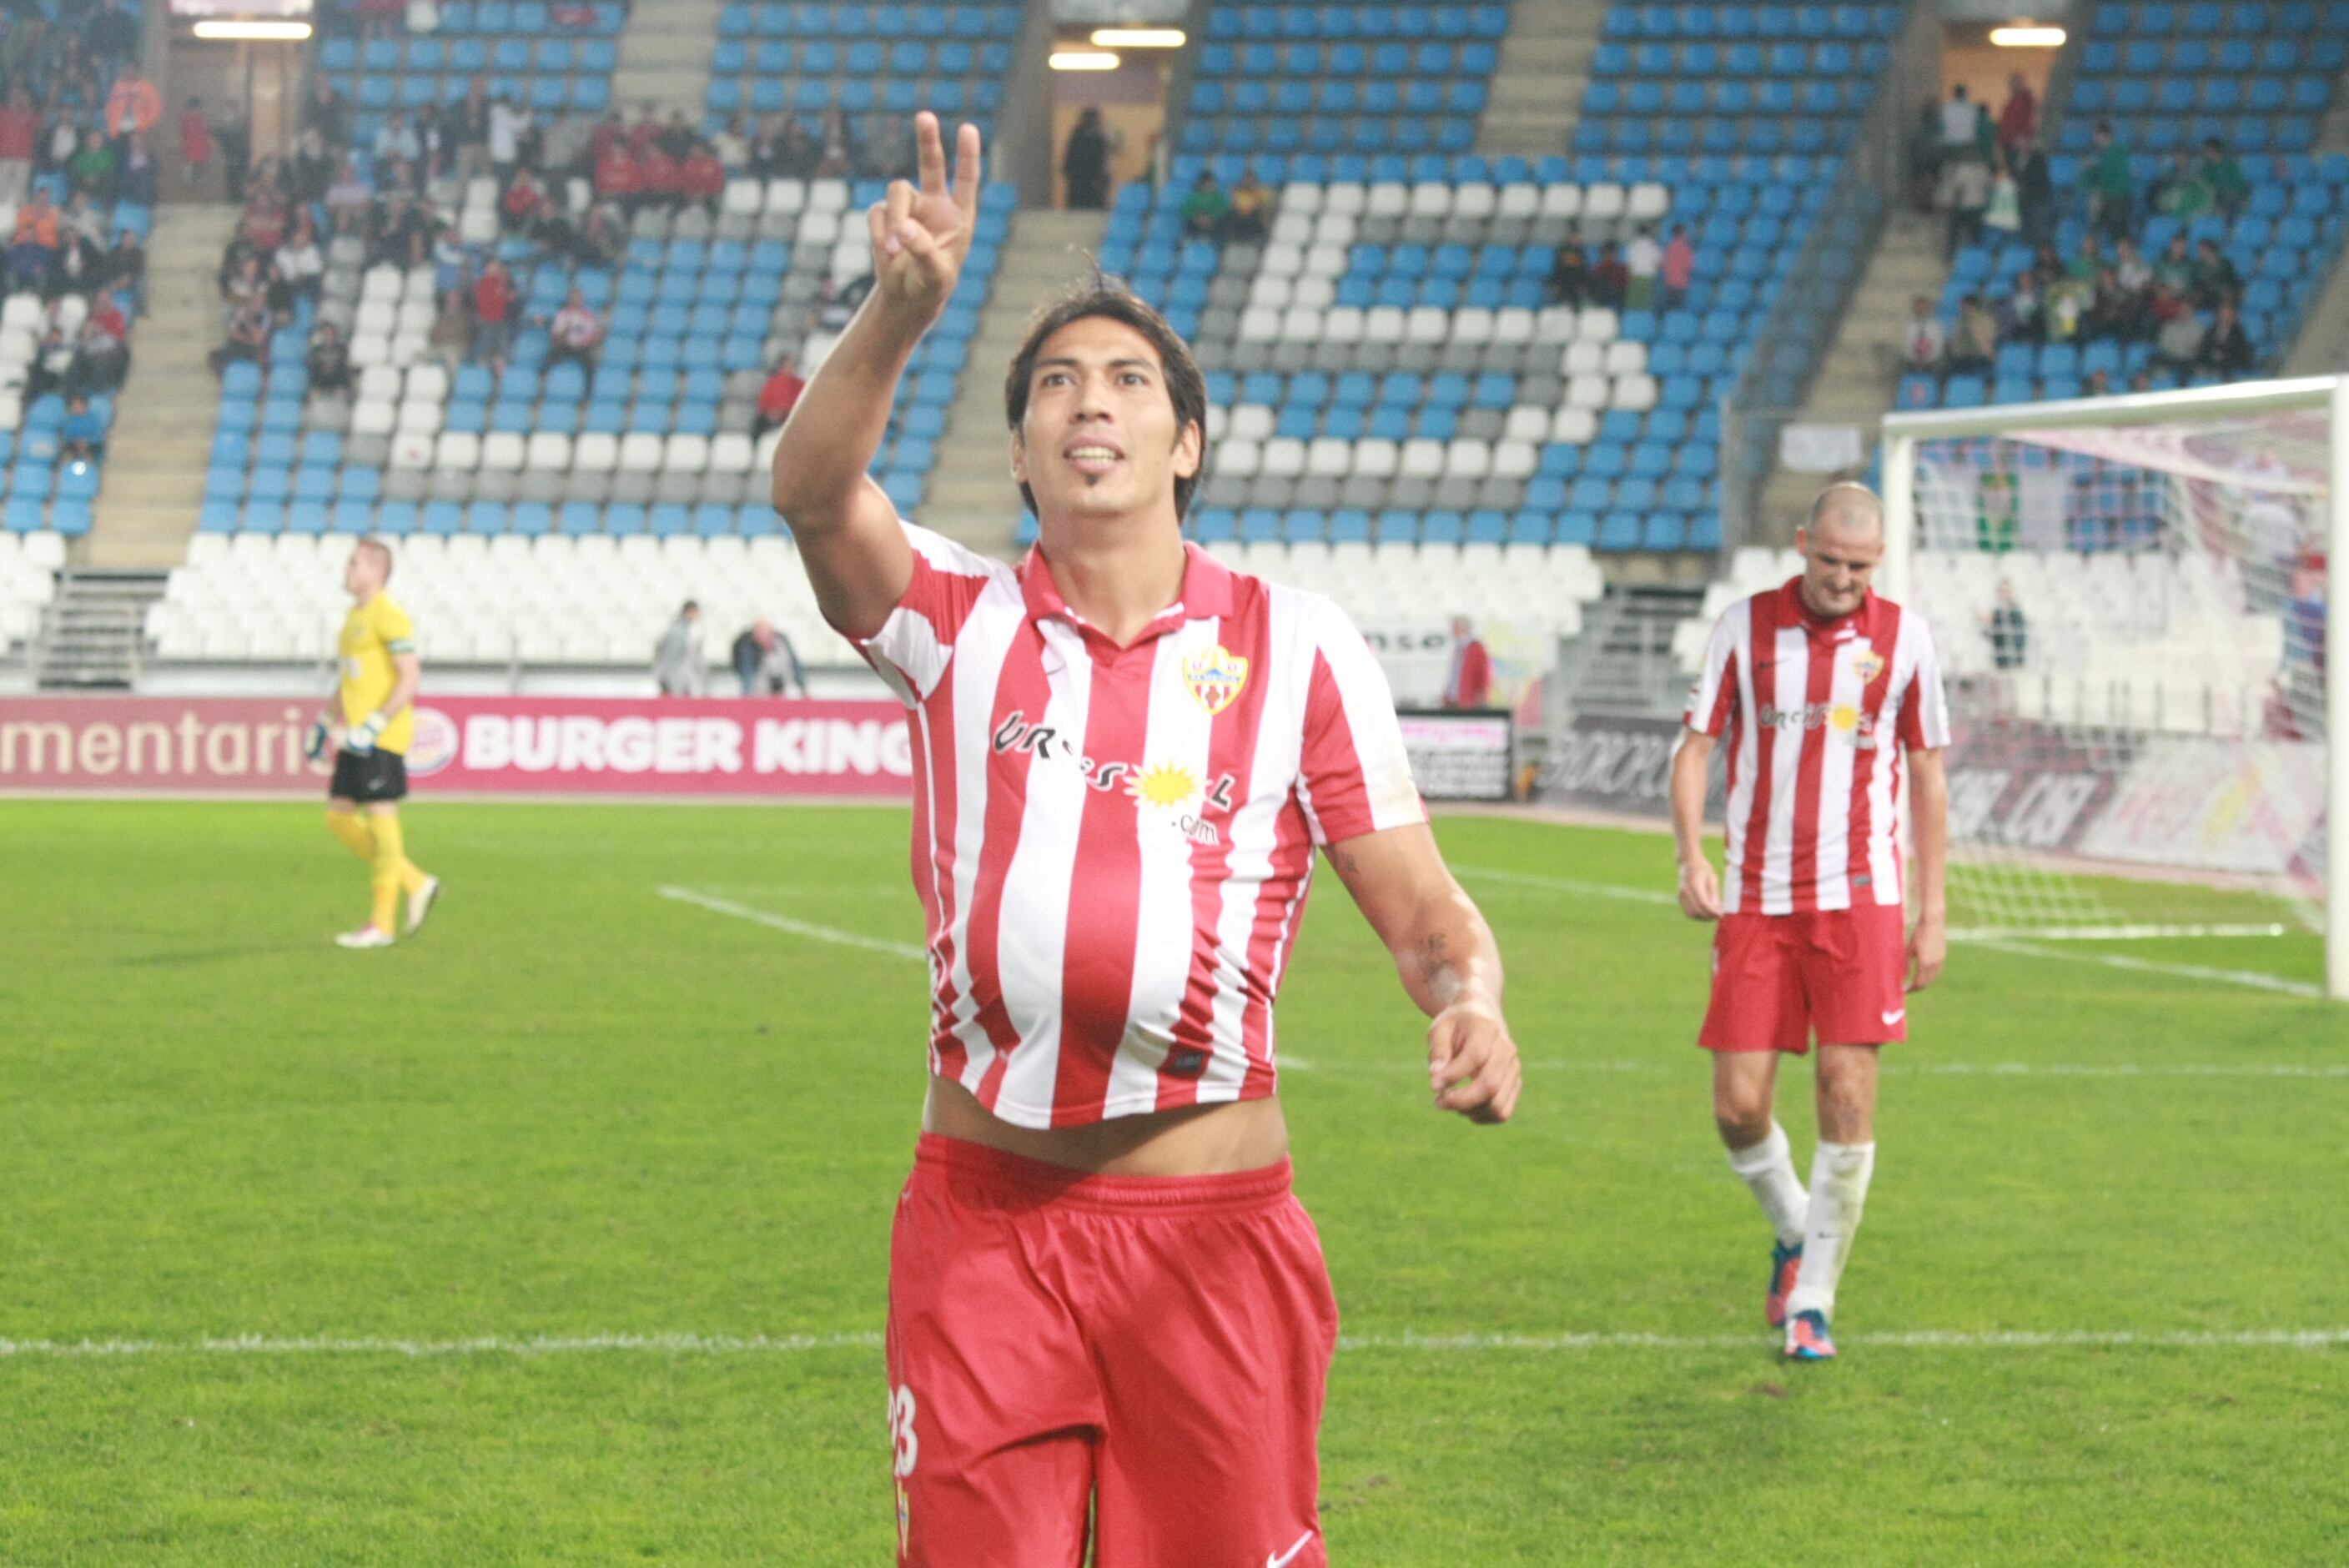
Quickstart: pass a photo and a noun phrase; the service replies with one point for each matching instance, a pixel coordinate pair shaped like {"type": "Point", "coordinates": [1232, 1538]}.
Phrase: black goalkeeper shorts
{"type": "Point", "coordinates": [368, 777]}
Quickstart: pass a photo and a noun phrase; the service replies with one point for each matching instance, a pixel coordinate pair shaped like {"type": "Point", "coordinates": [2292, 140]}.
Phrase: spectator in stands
{"type": "Point", "coordinates": [1922, 340]}
{"type": "Point", "coordinates": [1973, 346]}
{"type": "Point", "coordinates": [52, 355]}
{"type": "Point", "coordinates": [506, 126]}
{"type": "Point", "coordinates": [381, 18]}
{"type": "Point", "coordinates": [113, 35]}
{"type": "Point", "coordinates": [524, 204]}
{"type": "Point", "coordinates": [234, 137]}
{"type": "Point", "coordinates": [2130, 268]}
{"type": "Point", "coordinates": [576, 335]}
{"type": "Point", "coordinates": [2009, 636]}
{"type": "Point", "coordinates": [1962, 124]}
{"type": "Point", "coordinates": [1925, 153]}
{"type": "Point", "coordinates": [96, 167]}
{"type": "Point", "coordinates": [1568, 282]}
{"type": "Point", "coordinates": [2003, 215]}
{"type": "Point", "coordinates": [678, 662]}
{"type": "Point", "coordinates": [730, 146]}
{"type": "Point", "coordinates": [20, 135]}
{"type": "Point", "coordinates": [77, 216]}
{"type": "Point", "coordinates": [495, 299]}
{"type": "Point", "coordinates": [2225, 348]}
{"type": "Point", "coordinates": [78, 266]}
{"type": "Point", "coordinates": [1609, 279]}
{"type": "Point", "coordinates": [1678, 268]}
{"type": "Point", "coordinates": [248, 335]}
{"type": "Point", "coordinates": [2111, 188]}
{"type": "Point", "coordinates": [2019, 313]}
{"type": "Point", "coordinates": [617, 178]}
{"type": "Point", "coordinates": [779, 395]}
{"type": "Point", "coordinates": [1204, 209]}
{"type": "Point", "coordinates": [2175, 265]}
{"type": "Point", "coordinates": [195, 145]}
{"type": "Point", "coordinates": [396, 138]}
{"type": "Point", "coordinates": [2110, 316]}
{"type": "Point", "coordinates": [102, 358]}
{"type": "Point", "coordinates": [2018, 118]}
{"type": "Point", "coordinates": [299, 259]}
{"type": "Point", "coordinates": [2223, 177]}
{"type": "Point", "coordinates": [126, 269]}
{"type": "Point", "coordinates": [140, 180]}
{"type": "Point", "coordinates": [465, 130]}
{"type": "Point", "coordinates": [450, 261]}
{"type": "Point", "coordinates": [797, 153]}
{"type": "Point", "coordinates": [2177, 331]}
{"type": "Point", "coordinates": [326, 360]}
{"type": "Point", "coordinates": [1250, 217]}
{"type": "Point", "coordinates": [57, 149]}
{"type": "Point", "coordinates": [1469, 683]}
{"type": "Point", "coordinates": [603, 237]}
{"type": "Point", "coordinates": [324, 112]}
{"type": "Point", "coordinates": [766, 663]}
{"type": "Point", "coordinates": [1643, 258]}
{"type": "Point", "coordinates": [2035, 194]}
{"type": "Point", "coordinates": [1084, 164]}
{"type": "Point", "coordinates": [34, 241]}
{"type": "Point", "coordinates": [2175, 192]}
{"type": "Point", "coordinates": [660, 179]}
{"type": "Point", "coordinates": [82, 438]}
{"type": "Point", "coordinates": [702, 177]}
{"type": "Point", "coordinates": [839, 150]}
{"type": "Point", "coordinates": [2215, 280]}
{"type": "Point", "coordinates": [132, 104]}
{"type": "Point", "coordinates": [451, 340]}
{"type": "Point", "coordinates": [1965, 192]}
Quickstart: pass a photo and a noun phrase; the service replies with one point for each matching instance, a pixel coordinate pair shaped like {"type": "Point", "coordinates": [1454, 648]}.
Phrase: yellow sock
{"type": "Point", "coordinates": [388, 858]}
{"type": "Point", "coordinates": [352, 829]}
{"type": "Point", "coordinates": [410, 878]}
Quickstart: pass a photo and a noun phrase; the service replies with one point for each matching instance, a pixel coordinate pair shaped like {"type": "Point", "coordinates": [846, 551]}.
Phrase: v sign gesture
{"type": "Point", "coordinates": [921, 236]}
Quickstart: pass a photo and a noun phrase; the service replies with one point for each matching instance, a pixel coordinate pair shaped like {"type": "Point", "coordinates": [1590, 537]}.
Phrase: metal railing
{"type": "Point", "coordinates": [1793, 336]}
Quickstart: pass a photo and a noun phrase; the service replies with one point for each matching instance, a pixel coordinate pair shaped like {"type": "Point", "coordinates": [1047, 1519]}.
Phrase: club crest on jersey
{"type": "Point", "coordinates": [1215, 677]}
{"type": "Point", "coordinates": [1866, 663]}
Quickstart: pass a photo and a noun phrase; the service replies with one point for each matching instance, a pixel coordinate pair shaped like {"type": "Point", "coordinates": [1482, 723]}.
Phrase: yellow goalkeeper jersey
{"type": "Point", "coordinates": [372, 634]}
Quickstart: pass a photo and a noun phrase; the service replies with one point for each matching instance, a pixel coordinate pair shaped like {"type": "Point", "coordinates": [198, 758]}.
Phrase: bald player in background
{"type": "Point", "coordinates": [1821, 688]}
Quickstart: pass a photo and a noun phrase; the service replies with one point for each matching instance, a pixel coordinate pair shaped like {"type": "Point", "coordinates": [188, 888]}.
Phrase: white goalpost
{"type": "Point", "coordinates": [2131, 597]}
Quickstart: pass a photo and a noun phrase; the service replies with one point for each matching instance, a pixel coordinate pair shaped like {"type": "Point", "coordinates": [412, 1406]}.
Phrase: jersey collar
{"type": "Point", "coordinates": [1206, 592]}
{"type": "Point", "coordinates": [1797, 610]}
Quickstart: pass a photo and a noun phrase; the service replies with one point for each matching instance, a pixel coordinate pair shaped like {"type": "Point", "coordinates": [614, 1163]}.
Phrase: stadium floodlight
{"type": "Point", "coordinates": [2144, 744]}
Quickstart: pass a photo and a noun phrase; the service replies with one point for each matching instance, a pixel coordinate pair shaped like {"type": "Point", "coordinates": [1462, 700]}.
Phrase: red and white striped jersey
{"type": "Point", "coordinates": [1111, 845]}
{"type": "Point", "coordinates": [1818, 713]}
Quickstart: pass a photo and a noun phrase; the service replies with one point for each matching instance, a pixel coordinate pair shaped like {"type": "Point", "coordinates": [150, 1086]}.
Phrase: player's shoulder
{"type": "Point", "coordinates": [952, 557]}
{"type": "Point", "coordinates": [1305, 614]}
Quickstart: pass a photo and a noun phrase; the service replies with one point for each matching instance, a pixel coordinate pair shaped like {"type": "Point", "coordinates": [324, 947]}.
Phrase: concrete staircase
{"type": "Point", "coordinates": [665, 56]}
{"type": "Point", "coordinates": [971, 497]}
{"type": "Point", "coordinates": [92, 633]}
{"type": "Point", "coordinates": [1537, 90]}
{"type": "Point", "coordinates": [1623, 661]}
{"type": "Point", "coordinates": [1856, 382]}
{"type": "Point", "coordinates": [154, 482]}
{"type": "Point", "coordinates": [2322, 348]}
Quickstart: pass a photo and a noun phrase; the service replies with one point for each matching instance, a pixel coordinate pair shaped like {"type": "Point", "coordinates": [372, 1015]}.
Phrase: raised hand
{"type": "Point", "coordinates": [920, 236]}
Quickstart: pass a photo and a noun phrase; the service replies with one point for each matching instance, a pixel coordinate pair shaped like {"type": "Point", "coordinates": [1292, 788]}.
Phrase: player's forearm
{"type": "Point", "coordinates": [1930, 819]}
{"type": "Point", "coordinates": [403, 692]}
{"type": "Point", "coordinates": [1447, 957]}
{"type": "Point", "coordinates": [841, 420]}
{"type": "Point", "coordinates": [1689, 764]}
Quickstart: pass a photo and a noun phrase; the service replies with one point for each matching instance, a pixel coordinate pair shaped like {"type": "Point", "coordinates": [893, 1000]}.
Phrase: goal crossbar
{"type": "Point", "coordinates": [2327, 395]}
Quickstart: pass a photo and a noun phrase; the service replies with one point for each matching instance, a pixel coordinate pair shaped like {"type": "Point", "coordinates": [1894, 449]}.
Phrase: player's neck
{"type": "Point", "coordinates": [1116, 575]}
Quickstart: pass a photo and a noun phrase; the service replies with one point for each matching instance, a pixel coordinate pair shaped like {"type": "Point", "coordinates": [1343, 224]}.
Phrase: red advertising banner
{"type": "Point", "coordinates": [491, 745]}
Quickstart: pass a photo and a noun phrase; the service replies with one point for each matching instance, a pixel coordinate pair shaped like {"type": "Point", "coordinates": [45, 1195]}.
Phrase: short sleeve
{"type": "Point", "coordinates": [392, 624]}
{"type": "Point", "coordinates": [1710, 700]}
{"type": "Point", "coordinates": [914, 646]}
{"type": "Point", "coordinates": [1354, 771]}
{"type": "Point", "coordinates": [1924, 706]}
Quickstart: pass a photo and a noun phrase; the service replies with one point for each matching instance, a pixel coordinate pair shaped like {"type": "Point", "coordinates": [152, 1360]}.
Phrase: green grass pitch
{"type": "Point", "coordinates": [575, 1109]}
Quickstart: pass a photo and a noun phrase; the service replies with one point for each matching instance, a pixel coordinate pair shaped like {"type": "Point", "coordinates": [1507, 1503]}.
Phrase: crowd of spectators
{"type": "Point", "coordinates": [1991, 178]}
{"type": "Point", "coordinates": [1642, 273]}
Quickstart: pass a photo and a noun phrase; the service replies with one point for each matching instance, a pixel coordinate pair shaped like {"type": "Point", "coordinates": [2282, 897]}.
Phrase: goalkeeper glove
{"type": "Point", "coordinates": [317, 743]}
{"type": "Point", "coordinates": [360, 737]}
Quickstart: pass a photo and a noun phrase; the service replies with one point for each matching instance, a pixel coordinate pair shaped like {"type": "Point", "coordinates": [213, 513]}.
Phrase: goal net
{"type": "Point", "coordinates": [2130, 597]}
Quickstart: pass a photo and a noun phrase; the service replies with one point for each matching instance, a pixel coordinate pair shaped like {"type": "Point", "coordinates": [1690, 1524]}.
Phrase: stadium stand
{"type": "Point", "coordinates": [874, 65]}
{"type": "Point", "coordinates": [30, 564]}
{"type": "Point", "coordinates": [550, 59]}
{"type": "Point", "coordinates": [2258, 77]}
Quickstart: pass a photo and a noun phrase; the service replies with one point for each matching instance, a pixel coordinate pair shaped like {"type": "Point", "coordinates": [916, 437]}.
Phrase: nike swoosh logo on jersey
{"type": "Point", "coordinates": [1895, 1016]}
{"type": "Point", "coordinates": [1282, 1558]}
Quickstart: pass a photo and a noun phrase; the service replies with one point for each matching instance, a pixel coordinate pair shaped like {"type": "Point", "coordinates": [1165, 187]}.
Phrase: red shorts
{"type": "Point", "coordinates": [1151, 1350]}
{"type": "Point", "coordinates": [1778, 977]}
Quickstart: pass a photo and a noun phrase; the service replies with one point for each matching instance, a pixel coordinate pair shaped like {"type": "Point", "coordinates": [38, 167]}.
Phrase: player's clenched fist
{"type": "Point", "coordinates": [1472, 1063]}
{"type": "Point", "coordinates": [920, 236]}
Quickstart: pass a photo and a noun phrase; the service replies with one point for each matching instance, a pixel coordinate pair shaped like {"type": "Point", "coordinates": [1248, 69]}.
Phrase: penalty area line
{"type": "Point", "coordinates": [795, 927]}
{"type": "Point", "coordinates": [528, 1347]}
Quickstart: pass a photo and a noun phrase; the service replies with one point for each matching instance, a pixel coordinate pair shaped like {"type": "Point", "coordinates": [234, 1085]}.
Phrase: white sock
{"type": "Point", "coordinates": [1768, 1172]}
{"type": "Point", "coordinates": [1839, 1174]}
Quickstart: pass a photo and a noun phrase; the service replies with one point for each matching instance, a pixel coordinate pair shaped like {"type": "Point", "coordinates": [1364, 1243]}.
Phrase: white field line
{"type": "Point", "coordinates": [1894, 1069]}
{"type": "Point", "coordinates": [720, 1344]}
{"type": "Point", "coordinates": [796, 927]}
{"type": "Point", "coordinates": [1996, 944]}
{"type": "Point", "coordinates": [2250, 977]}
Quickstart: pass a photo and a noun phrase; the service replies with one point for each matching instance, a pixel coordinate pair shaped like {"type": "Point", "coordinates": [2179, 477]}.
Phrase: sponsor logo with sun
{"type": "Point", "coordinates": [1165, 785]}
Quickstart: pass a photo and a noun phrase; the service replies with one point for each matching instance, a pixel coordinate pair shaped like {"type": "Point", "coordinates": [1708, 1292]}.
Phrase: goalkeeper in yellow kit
{"type": "Point", "coordinates": [379, 675]}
